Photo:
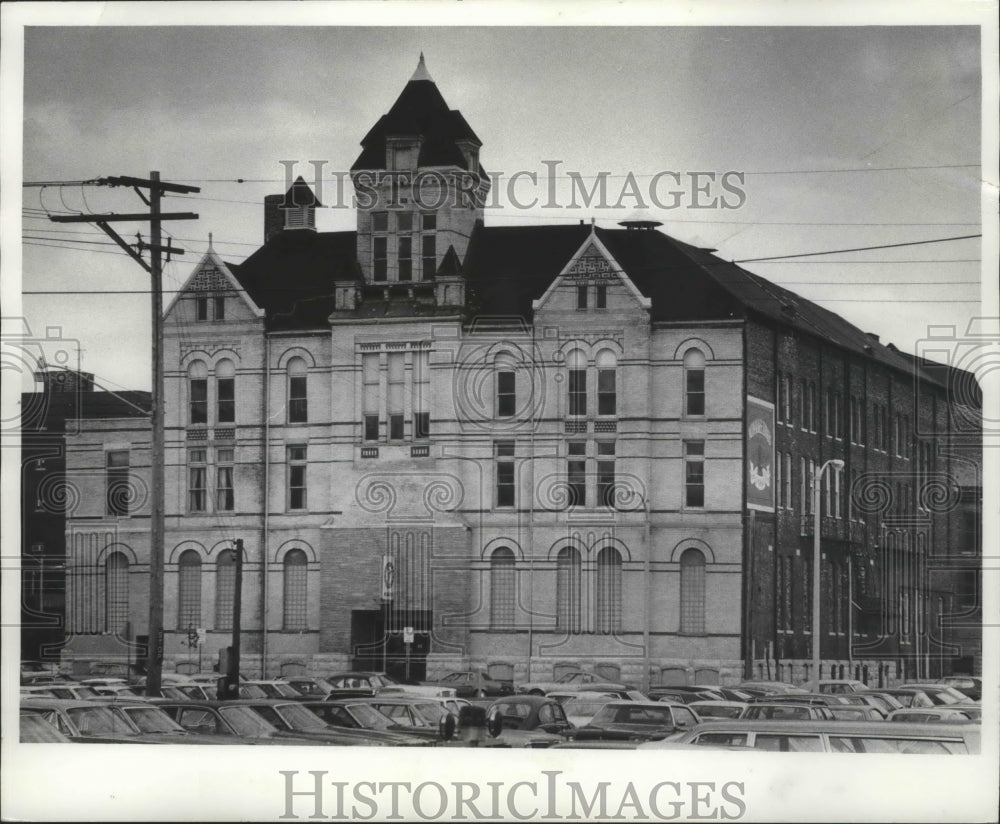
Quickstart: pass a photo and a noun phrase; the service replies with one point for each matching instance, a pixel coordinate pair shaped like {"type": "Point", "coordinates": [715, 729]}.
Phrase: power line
{"type": "Point", "coordinates": [860, 248]}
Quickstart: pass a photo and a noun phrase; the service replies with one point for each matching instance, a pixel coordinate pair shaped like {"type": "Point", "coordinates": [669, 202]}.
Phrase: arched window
{"type": "Point", "coordinates": [197, 392]}
{"type": "Point", "coordinates": [298, 396]}
{"type": "Point", "coordinates": [225, 587]}
{"type": "Point", "coordinates": [694, 382]}
{"type": "Point", "coordinates": [609, 590]}
{"type": "Point", "coordinates": [116, 593]}
{"type": "Point", "coordinates": [502, 588]}
{"type": "Point", "coordinates": [225, 392]}
{"type": "Point", "coordinates": [506, 385]}
{"type": "Point", "coordinates": [568, 589]}
{"type": "Point", "coordinates": [607, 387]}
{"type": "Point", "coordinates": [295, 599]}
{"type": "Point", "coordinates": [189, 590]}
{"type": "Point", "coordinates": [576, 364]}
{"type": "Point", "coordinates": [692, 592]}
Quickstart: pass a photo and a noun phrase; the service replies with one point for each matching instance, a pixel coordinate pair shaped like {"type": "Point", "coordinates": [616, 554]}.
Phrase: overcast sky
{"type": "Point", "coordinates": [848, 137]}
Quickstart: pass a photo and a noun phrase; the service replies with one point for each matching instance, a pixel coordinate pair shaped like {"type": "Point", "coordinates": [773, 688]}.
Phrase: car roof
{"type": "Point", "coordinates": [836, 726]}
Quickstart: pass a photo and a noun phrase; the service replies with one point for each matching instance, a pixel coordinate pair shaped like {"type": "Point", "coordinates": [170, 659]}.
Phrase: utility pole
{"type": "Point", "coordinates": [156, 188]}
{"type": "Point", "coordinates": [233, 676]}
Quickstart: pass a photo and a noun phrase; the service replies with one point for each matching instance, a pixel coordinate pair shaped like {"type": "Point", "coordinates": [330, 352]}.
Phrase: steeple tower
{"type": "Point", "coordinates": [421, 186]}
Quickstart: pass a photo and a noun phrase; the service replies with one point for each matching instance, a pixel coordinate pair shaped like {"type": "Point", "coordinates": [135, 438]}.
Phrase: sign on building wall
{"type": "Point", "coordinates": [760, 455]}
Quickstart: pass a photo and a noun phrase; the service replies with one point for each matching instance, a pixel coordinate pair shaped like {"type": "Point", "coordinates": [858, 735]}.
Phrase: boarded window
{"type": "Point", "coordinates": [189, 590]}
{"type": "Point", "coordinates": [502, 588]}
{"type": "Point", "coordinates": [692, 592]}
{"type": "Point", "coordinates": [294, 579]}
{"type": "Point", "coordinates": [568, 590]}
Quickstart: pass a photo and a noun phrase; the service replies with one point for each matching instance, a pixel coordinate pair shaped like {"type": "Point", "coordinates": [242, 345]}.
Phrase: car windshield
{"type": "Point", "coordinates": [99, 721]}
{"type": "Point", "coordinates": [624, 714]}
{"type": "Point", "coordinates": [36, 730]}
{"type": "Point", "coordinates": [430, 712]}
{"type": "Point", "coordinates": [73, 692]}
{"type": "Point", "coordinates": [588, 707]}
{"type": "Point", "coordinates": [246, 722]}
{"type": "Point", "coordinates": [299, 718]}
{"type": "Point", "coordinates": [571, 678]}
{"type": "Point", "coordinates": [721, 711]}
{"type": "Point", "coordinates": [455, 677]}
{"type": "Point", "coordinates": [284, 690]}
{"type": "Point", "coordinates": [252, 691]}
{"type": "Point", "coordinates": [151, 719]}
{"type": "Point", "coordinates": [369, 717]}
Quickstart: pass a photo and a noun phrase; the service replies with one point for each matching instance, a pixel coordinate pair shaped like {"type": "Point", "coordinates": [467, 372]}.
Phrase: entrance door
{"type": "Point", "coordinates": [372, 648]}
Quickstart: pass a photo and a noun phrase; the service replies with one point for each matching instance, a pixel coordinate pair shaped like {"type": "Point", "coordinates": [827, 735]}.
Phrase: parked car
{"type": "Point", "coordinates": [580, 707]}
{"type": "Point", "coordinates": [151, 720]}
{"type": "Point", "coordinates": [352, 684]}
{"type": "Point", "coordinates": [707, 710]}
{"type": "Point", "coordinates": [357, 714]}
{"type": "Point", "coordinates": [883, 700]}
{"type": "Point", "coordinates": [832, 736]}
{"type": "Point", "coordinates": [575, 679]}
{"type": "Point", "coordinates": [530, 712]}
{"type": "Point", "coordinates": [856, 712]}
{"type": "Point", "coordinates": [925, 715]}
{"type": "Point", "coordinates": [232, 719]}
{"type": "Point", "coordinates": [769, 688]}
{"type": "Point", "coordinates": [189, 692]}
{"type": "Point", "coordinates": [636, 721]}
{"type": "Point", "coordinates": [813, 698]}
{"type": "Point", "coordinates": [970, 686]}
{"type": "Point", "coordinates": [122, 691]}
{"type": "Point", "coordinates": [269, 689]}
{"type": "Point", "coordinates": [418, 715]}
{"type": "Point", "coordinates": [86, 721]}
{"type": "Point", "coordinates": [725, 693]}
{"type": "Point", "coordinates": [940, 694]}
{"type": "Point", "coordinates": [293, 717]}
{"type": "Point", "coordinates": [36, 730]}
{"type": "Point", "coordinates": [308, 686]}
{"type": "Point", "coordinates": [63, 689]}
{"type": "Point", "coordinates": [680, 695]}
{"type": "Point", "coordinates": [787, 711]}
{"type": "Point", "coordinates": [473, 684]}
{"type": "Point", "coordinates": [835, 685]}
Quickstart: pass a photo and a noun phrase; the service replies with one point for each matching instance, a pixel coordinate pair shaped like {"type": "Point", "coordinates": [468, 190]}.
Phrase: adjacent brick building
{"type": "Point", "coordinates": [535, 447]}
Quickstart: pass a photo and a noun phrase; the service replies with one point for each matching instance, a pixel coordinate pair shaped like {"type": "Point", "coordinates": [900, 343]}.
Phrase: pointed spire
{"type": "Point", "coordinates": [421, 73]}
{"type": "Point", "coordinates": [210, 249]}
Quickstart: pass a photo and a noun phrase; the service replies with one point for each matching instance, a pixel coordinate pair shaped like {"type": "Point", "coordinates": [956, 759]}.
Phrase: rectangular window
{"type": "Point", "coordinates": [803, 414]}
{"type": "Point", "coordinates": [577, 391]}
{"type": "Point", "coordinates": [828, 511]}
{"type": "Point", "coordinates": [421, 395]}
{"type": "Point", "coordinates": [695, 391]}
{"type": "Point", "coordinates": [201, 308]}
{"type": "Point", "coordinates": [117, 483]}
{"type": "Point", "coordinates": [828, 415]}
{"type": "Point", "coordinates": [694, 473]}
{"type": "Point", "coordinates": [576, 472]}
{"type": "Point", "coordinates": [779, 412]}
{"type": "Point", "coordinates": [606, 473]}
{"type": "Point", "coordinates": [601, 297]}
{"type": "Point", "coordinates": [506, 395]}
{"type": "Point", "coordinates": [813, 412]}
{"type": "Point", "coordinates": [396, 386]}
{"type": "Point", "coordinates": [428, 255]}
{"type": "Point", "coordinates": [428, 222]}
{"type": "Point", "coordinates": [380, 262]}
{"type": "Point", "coordinates": [405, 258]}
{"type": "Point", "coordinates": [788, 480]}
{"type": "Point", "coordinates": [581, 297]}
{"type": "Point", "coordinates": [197, 474]}
{"type": "Point", "coordinates": [812, 487]}
{"type": "Point", "coordinates": [298, 402]}
{"type": "Point", "coordinates": [199, 400]}
{"type": "Point", "coordinates": [296, 477]}
{"type": "Point", "coordinates": [224, 496]}
{"type": "Point", "coordinates": [380, 221]}
{"type": "Point", "coordinates": [226, 400]}
{"type": "Point", "coordinates": [503, 452]}
{"type": "Point", "coordinates": [838, 511]}
{"type": "Point", "coordinates": [607, 394]}
{"type": "Point", "coordinates": [404, 221]}
{"type": "Point", "coordinates": [778, 485]}
{"type": "Point", "coordinates": [370, 398]}
{"type": "Point", "coordinates": [220, 307]}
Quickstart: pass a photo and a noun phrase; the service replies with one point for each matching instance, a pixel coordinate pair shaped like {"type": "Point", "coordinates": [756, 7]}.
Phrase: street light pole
{"type": "Point", "coordinates": [817, 567]}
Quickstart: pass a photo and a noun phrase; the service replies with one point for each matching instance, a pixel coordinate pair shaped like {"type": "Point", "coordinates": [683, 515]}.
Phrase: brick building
{"type": "Point", "coordinates": [535, 447]}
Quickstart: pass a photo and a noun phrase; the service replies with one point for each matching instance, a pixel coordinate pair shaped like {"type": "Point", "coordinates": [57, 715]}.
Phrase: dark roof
{"type": "Point", "coordinates": [507, 267]}
{"type": "Point", "coordinates": [419, 111]}
{"type": "Point", "coordinates": [291, 276]}
{"type": "Point", "coordinates": [47, 411]}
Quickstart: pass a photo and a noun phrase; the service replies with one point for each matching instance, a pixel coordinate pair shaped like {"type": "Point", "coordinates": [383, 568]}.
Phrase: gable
{"type": "Point", "coordinates": [212, 278]}
{"type": "Point", "coordinates": [592, 266]}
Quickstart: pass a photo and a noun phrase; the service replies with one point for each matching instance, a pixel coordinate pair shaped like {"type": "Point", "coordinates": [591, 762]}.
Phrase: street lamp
{"type": "Point", "coordinates": [817, 566]}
